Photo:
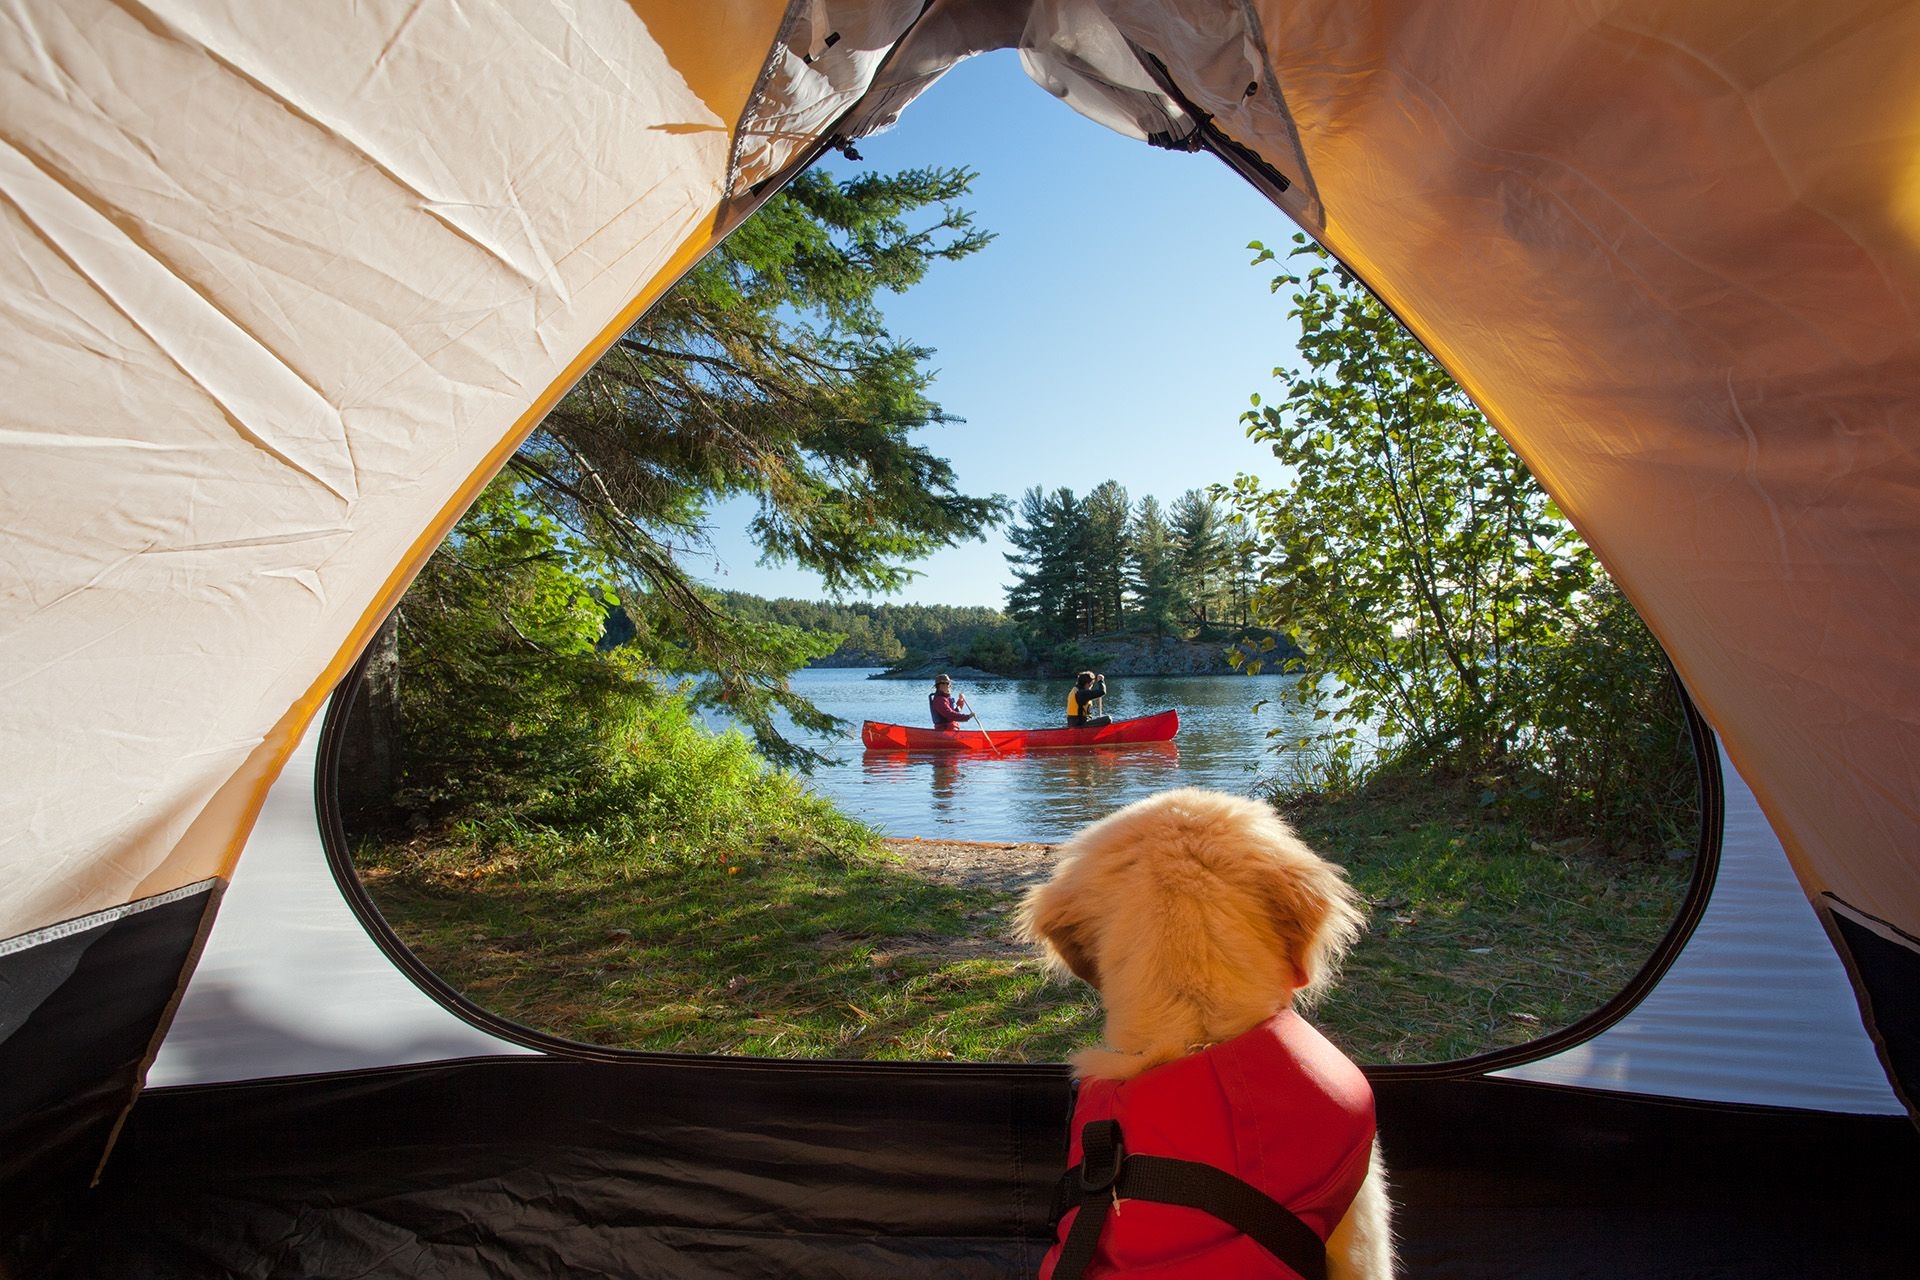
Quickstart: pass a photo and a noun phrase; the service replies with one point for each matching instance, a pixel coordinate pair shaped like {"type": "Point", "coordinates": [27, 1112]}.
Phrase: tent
{"type": "Point", "coordinates": [286, 284]}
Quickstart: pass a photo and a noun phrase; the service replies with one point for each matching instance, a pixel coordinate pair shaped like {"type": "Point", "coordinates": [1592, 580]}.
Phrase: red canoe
{"type": "Point", "coordinates": [1158, 727]}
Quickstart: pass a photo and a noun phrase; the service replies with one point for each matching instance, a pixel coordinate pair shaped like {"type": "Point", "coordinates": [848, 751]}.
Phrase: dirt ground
{"type": "Point", "coordinates": [974, 864]}
{"type": "Point", "coordinates": [1006, 869]}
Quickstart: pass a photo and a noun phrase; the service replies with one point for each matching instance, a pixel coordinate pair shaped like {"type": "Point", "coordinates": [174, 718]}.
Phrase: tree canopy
{"type": "Point", "coordinates": [1425, 573]}
{"type": "Point", "coordinates": [562, 627]}
{"type": "Point", "coordinates": [1089, 566]}
{"type": "Point", "coordinates": [768, 372]}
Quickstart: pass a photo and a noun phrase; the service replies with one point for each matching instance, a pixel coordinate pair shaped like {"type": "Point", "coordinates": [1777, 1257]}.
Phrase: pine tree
{"type": "Point", "coordinates": [1151, 568]}
{"type": "Point", "coordinates": [1199, 541]}
{"type": "Point", "coordinates": [768, 372]}
{"type": "Point", "coordinates": [1049, 594]}
{"type": "Point", "coordinates": [1104, 556]}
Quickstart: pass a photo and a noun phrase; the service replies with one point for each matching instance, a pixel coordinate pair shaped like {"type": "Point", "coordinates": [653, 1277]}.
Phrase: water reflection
{"type": "Point", "coordinates": [1025, 795]}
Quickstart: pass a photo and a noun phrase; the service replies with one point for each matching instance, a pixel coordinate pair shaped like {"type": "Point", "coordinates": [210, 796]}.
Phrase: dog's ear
{"type": "Point", "coordinates": [1046, 917]}
{"type": "Point", "coordinates": [1314, 912]}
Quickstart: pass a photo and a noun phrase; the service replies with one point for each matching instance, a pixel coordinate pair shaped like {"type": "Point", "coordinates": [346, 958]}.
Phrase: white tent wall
{"type": "Point", "coordinates": [1756, 1009]}
{"type": "Point", "coordinates": [289, 982]}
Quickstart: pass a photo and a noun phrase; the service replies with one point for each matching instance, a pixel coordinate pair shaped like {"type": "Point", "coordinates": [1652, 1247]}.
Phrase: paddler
{"type": "Point", "coordinates": [1087, 687]}
{"type": "Point", "coordinates": [948, 711]}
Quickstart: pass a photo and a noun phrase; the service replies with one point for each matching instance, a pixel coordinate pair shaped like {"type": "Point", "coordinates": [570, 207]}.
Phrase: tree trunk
{"type": "Point", "coordinates": [369, 749]}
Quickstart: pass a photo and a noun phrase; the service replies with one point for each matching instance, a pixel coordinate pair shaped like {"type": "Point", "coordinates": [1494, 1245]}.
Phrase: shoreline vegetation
{"type": "Point", "coordinates": [1125, 655]}
{"type": "Point", "coordinates": [911, 642]}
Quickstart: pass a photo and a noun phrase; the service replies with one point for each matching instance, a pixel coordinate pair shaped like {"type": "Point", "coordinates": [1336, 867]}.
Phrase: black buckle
{"type": "Point", "coordinates": [1101, 1155]}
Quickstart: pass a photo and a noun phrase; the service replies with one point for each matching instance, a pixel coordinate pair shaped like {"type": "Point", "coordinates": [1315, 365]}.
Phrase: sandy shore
{"type": "Point", "coordinates": [976, 864]}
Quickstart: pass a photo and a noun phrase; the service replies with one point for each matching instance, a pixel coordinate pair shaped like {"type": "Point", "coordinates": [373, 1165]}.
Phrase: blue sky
{"type": "Point", "coordinates": [1112, 330]}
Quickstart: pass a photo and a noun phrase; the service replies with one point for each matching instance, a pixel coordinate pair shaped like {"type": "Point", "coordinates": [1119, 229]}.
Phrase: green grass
{"type": "Point", "coordinates": [1481, 936]}
{"type": "Point", "coordinates": [797, 957]}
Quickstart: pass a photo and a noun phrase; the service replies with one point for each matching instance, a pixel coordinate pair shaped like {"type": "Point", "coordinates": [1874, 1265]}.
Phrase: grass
{"type": "Point", "coordinates": [812, 957]}
{"type": "Point", "coordinates": [1481, 936]}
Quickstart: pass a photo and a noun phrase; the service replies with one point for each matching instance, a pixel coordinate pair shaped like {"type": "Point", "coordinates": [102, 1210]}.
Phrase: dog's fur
{"type": "Point", "coordinates": [1198, 916]}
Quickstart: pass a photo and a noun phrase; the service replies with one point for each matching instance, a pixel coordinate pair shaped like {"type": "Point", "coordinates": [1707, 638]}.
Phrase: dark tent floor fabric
{"type": "Point", "coordinates": [1496, 1178]}
{"type": "Point", "coordinates": [78, 1013]}
{"type": "Point", "coordinates": [714, 1167]}
{"type": "Point", "coordinates": [542, 1167]}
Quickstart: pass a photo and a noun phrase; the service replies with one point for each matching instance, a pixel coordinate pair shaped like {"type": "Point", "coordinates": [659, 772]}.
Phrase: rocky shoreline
{"type": "Point", "coordinates": [1120, 656]}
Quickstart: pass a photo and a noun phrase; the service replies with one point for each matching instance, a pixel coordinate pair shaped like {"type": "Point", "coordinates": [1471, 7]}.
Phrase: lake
{"type": "Point", "coordinates": [1043, 795]}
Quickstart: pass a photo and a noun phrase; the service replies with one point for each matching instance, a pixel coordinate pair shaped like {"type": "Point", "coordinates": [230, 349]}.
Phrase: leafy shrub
{"type": "Point", "coordinates": [514, 721]}
{"type": "Point", "coordinates": [1606, 749]}
{"type": "Point", "coordinates": [1438, 593]}
{"type": "Point", "coordinates": [677, 794]}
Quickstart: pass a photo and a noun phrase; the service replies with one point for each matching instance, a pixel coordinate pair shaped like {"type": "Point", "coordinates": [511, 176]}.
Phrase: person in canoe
{"type": "Point", "coordinates": [948, 712]}
{"type": "Point", "coordinates": [1086, 688]}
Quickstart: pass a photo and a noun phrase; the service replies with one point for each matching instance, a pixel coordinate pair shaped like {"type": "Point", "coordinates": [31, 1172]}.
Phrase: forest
{"type": "Point", "coordinates": [1083, 567]}
{"type": "Point", "coordinates": [873, 633]}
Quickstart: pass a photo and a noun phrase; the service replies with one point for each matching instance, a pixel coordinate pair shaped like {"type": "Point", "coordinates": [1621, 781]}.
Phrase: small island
{"type": "Point", "coordinates": [1122, 653]}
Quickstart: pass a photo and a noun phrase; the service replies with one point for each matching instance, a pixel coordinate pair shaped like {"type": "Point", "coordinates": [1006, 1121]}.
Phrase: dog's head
{"type": "Point", "coordinates": [1196, 915]}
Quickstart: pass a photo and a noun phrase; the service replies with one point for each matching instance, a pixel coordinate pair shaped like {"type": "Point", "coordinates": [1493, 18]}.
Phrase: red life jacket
{"type": "Point", "coordinates": [1278, 1107]}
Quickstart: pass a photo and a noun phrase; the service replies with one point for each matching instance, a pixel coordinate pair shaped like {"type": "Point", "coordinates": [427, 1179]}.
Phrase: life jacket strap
{"type": "Point", "coordinates": [1107, 1174]}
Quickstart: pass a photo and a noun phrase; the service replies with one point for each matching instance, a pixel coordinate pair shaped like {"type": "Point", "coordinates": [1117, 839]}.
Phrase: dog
{"type": "Point", "coordinates": [1203, 920]}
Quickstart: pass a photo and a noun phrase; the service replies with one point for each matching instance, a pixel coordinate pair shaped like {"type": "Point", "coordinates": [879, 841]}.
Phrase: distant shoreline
{"type": "Point", "coordinates": [974, 675]}
{"type": "Point", "coordinates": [1128, 655]}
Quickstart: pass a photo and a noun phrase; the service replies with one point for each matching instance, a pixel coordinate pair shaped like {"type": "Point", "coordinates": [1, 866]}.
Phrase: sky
{"type": "Point", "coordinates": [1113, 330]}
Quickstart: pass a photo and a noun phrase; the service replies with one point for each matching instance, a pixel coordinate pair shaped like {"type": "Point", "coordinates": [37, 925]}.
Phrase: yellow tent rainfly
{"type": "Point", "coordinates": [284, 284]}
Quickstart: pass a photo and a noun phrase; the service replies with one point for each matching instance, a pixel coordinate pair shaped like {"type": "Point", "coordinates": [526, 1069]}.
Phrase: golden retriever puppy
{"type": "Point", "coordinates": [1202, 919]}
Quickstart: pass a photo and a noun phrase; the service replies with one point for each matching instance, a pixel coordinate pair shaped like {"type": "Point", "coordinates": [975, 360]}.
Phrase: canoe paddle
{"type": "Point", "coordinates": [983, 732]}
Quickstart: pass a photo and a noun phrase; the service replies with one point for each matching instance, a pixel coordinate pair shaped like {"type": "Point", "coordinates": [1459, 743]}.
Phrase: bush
{"type": "Point", "coordinates": [996, 649]}
{"type": "Point", "coordinates": [1606, 749]}
{"type": "Point", "coordinates": [516, 724]}
{"type": "Point", "coordinates": [674, 794]}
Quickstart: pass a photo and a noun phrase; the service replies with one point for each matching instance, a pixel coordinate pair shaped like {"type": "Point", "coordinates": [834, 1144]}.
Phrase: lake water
{"type": "Point", "coordinates": [1041, 795]}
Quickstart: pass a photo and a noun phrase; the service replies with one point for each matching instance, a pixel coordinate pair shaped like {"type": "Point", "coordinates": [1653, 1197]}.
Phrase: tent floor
{"type": "Point", "coordinates": [704, 1167]}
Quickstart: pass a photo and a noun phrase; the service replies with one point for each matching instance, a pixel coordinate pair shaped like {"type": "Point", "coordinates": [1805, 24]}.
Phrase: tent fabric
{"type": "Point", "coordinates": [533, 1167]}
{"type": "Point", "coordinates": [289, 983]}
{"type": "Point", "coordinates": [1755, 1009]}
{"type": "Point", "coordinates": [536, 1167]}
{"type": "Point", "coordinates": [823, 63]}
{"type": "Point", "coordinates": [81, 1006]}
{"type": "Point", "coordinates": [1643, 300]}
{"type": "Point", "coordinates": [282, 286]}
{"type": "Point", "coordinates": [1499, 1178]}
{"type": "Point", "coordinates": [259, 358]}
{"type": "Point", "coordinates": [285, 285]}
{"type": "Point", "coordinates": [1886, 966]}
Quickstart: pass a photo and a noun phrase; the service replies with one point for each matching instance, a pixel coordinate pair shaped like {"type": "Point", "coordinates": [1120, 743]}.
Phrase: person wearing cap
{"type": "Point", "coordinates": [947, 710]}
